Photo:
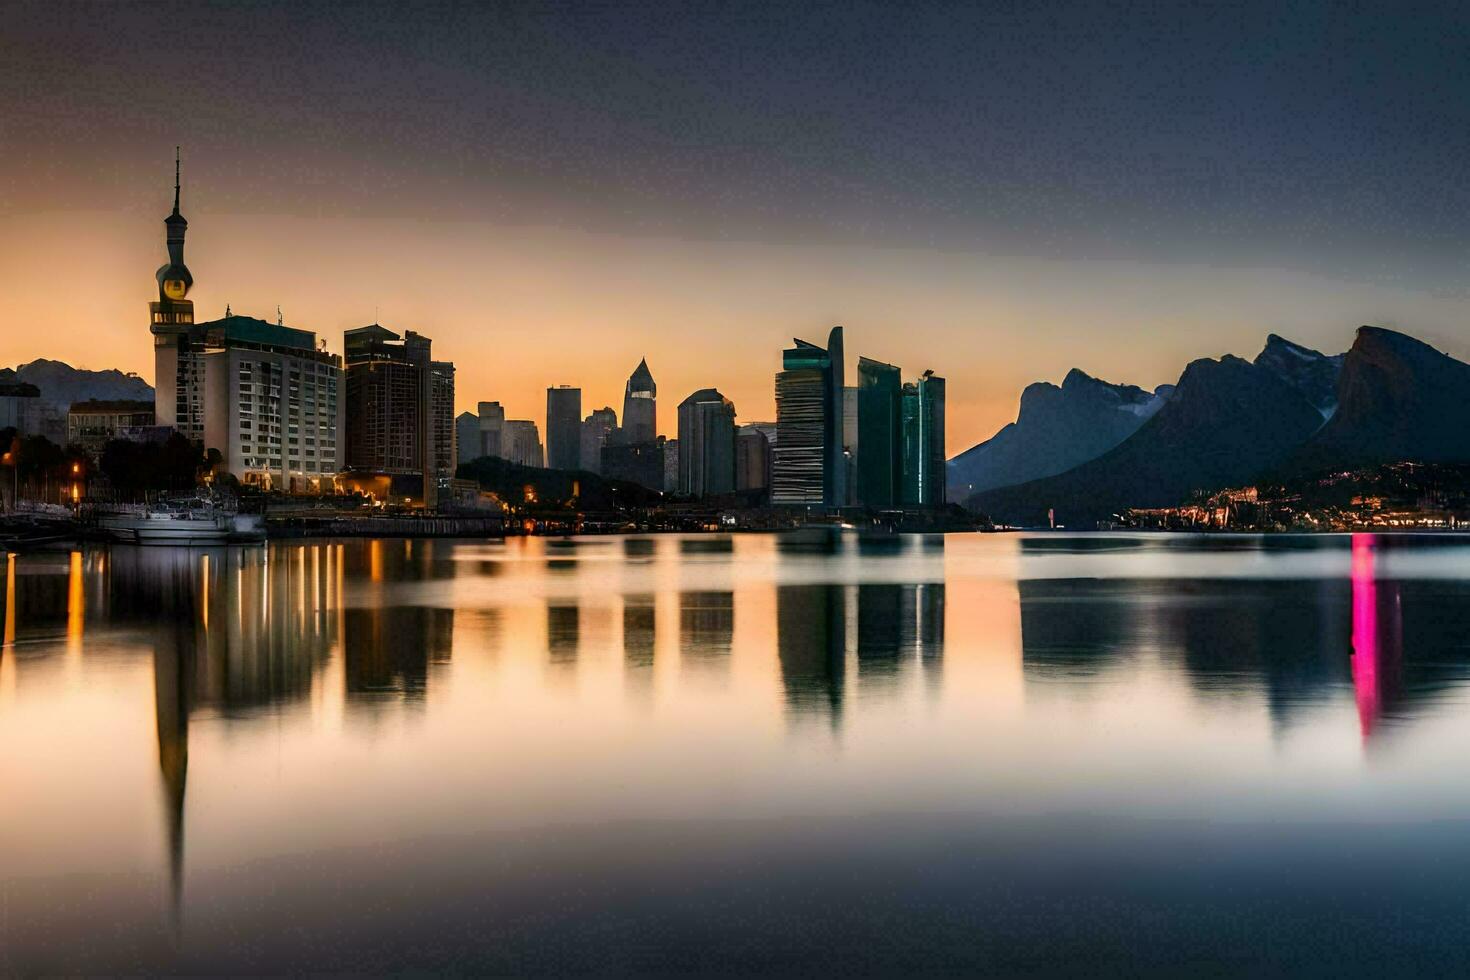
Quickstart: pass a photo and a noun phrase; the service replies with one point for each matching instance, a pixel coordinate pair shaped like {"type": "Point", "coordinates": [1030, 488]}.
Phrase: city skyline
{"type": "Point", "coordinates": [1120, 220]}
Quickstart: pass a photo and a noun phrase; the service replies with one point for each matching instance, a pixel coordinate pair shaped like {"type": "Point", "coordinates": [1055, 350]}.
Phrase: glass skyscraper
{"type": "Point", "coordinates": [923, 442]}
{"type": "Point", "coordinates": [880, 461]}
{"type": "Point", "coordinates": [809, 467]}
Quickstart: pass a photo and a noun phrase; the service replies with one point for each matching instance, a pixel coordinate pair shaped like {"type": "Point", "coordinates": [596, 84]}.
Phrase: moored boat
{"type": "Point", "coordinates": [197, 522]}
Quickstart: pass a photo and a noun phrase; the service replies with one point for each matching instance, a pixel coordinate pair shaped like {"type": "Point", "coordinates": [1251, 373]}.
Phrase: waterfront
{"type": "Point", "coordinates": [1028, 754]}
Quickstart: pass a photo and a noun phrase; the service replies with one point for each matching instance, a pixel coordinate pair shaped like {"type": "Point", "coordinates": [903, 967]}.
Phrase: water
{"type": "Point", "coordinates": [1037, 755]}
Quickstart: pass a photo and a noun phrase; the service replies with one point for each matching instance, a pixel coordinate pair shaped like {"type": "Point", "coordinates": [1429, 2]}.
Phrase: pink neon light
{"type": "Point", "coordinates": [1365, 633]}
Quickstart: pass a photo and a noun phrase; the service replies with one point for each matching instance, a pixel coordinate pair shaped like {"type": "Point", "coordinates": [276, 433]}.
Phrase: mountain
{"type": "Point", "coordinates": [1398, 399]}
{"type": "Point", "coordinates": [1310, 372]}
{"type": "Point", "coordinates": [61, 384]}
{"type": "Point", "coordinates": [1226, 421]}
{"type": "Point", "coordinates": [1056, 429]}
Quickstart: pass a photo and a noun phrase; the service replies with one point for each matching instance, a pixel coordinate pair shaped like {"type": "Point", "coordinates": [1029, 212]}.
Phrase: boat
{"type": "Point", "coordinates": [192, 522]}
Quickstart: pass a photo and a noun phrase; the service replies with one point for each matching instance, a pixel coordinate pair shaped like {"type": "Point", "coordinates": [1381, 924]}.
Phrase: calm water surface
{"type": "Point", "coordinates": [1026, 755]}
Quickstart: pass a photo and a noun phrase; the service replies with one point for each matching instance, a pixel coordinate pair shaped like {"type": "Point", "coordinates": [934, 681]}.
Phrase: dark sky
{"type": "Point", "coordinates": [1090, 128]}
{"type": "Point", "coordinates": [1324, 140]}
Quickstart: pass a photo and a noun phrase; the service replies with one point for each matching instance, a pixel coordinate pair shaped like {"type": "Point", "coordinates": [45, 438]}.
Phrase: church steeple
{"type": "Point", "coordinates": [174, 279]}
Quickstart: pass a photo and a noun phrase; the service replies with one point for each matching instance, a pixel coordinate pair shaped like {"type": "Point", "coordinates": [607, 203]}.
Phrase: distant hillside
{"type": "Point", "coordinates": [1310, 372]}
{"type": "Point", "coordinates": [61, 384]}
{"type": "Point", "coordinates": [1398, 399]}
{"type": "Point", "coordinates": [1226, 422]}
{"type": "Point", "coordinates": [1056, 429]}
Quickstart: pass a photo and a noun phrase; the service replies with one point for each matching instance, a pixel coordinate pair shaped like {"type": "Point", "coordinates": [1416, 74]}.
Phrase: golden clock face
{"type": "Point", "coordinates": [173, 288]}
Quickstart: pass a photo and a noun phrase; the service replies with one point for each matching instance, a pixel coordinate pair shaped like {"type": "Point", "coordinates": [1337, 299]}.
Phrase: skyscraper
{"type": "Point", "coordinates": [467, 437]}
{"type": "Point", "coordinates": [880, 461]}
{"type": "Point", "coordinates": [834, 467]}
{"type": "Point", "coordinates": [521, 443]}
{"type": "Point", "coordinates": [442, 436]}
{"type": "Point", "coordinates": [597, 432]}
{"type": "Point", "coordinates": [491, 430]}
{"type": "Point", "coordinates": [400, 408]}
{"type": "Point", "coordinates": [706, 444]}
{"type": "Point", "coordinates": [752, 459]}
{"type": "Point", "coordinates": [262, 394]}
{"type": "Point", "coordinates": [809, 466]}
{"type": "Point", "coordinates": [640, 411]}
{"type": "Point", "coordinates": [923, 442]}
{"type": "Point", "coordinates": [564, 428]}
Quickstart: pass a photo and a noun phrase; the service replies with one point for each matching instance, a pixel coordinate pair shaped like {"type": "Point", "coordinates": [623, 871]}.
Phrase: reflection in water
{"type": "Point", "coordinates": [563, 631]}
{"type": "Point", "coordinates": [1180, 675]}
{"type": "Point", "coordinates": [1377, 636]}
{"type": "Point", "coordinates": [706, 625]}
{"type": "Point", "coordinates": [811, 644]}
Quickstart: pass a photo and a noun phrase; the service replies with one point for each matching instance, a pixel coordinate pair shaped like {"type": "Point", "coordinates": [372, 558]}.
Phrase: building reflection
{"type": "Point", "coordinates": [388, 645]}
{"type": "Point", "coordinates": [706, 627]}
{"type": "Point", "coordinates": [233, 630]}
{"type": "Point", "coordinates": [1394, 642]}
{"type": "Point", "coordinates": [387, 650]}
{"type": "Point", "coordinates": [811, 645]}
{"type": "Point", "coordinates": [563, 631]}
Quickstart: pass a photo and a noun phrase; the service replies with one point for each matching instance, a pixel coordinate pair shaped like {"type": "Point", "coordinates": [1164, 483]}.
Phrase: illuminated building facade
{"type": "Point", "coordinates": [264, 395]}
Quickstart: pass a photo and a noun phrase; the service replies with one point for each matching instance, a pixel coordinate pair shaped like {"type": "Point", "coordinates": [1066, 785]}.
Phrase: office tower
{"type": "Point", "coordinates": [640, 412]}
{"type": "Point", "coordinates": [835, 461]}
{"type": "Point", "coordinates": [880, 459]}
{"type": "Point", "coordinates": [564, 428]}
{"type": "Point", "coordinates": [597, 432]}
{"type": "Point", "coordinates": [490, 441]}
{"type": "Point", "coordinates": [706, 444]}
{"type": "Point", "coordinates": [466, 437]}
{"type": "Point", "coordinates": [809, 465]}
{"type": "Point", "coordinates": [923, 442]}
{"type": "Point", "coordinates": [94, 423]}
{"type": "Point", "coordinates": [850, 421]}
{"type": "Point", "coordinates": [441, 423]}
{"type": "Point", "coordinates": [849, 444]}
{"type": "Point", "coordinates": [522, 443]}
{"type": "Point", "coordinates": [752, 460]}
{"type": "Point", "coordinates": [400, 408]}
{"type": "Point", "coordinates": [671, 466]}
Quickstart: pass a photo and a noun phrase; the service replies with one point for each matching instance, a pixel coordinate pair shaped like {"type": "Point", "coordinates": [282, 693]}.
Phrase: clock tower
{"type": "Point", "coordinates": [172, 316]}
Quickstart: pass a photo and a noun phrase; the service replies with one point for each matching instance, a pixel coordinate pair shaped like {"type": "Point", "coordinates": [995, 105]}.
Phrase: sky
{"type": "Point", "coordinates": [996, 192]}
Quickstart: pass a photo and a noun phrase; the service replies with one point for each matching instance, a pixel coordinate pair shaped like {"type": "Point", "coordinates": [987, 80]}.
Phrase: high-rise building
{"type": "Point", "coordinates": [442, 436]}
{"type": "Point", "coordinates": [597, 432]}
{"type": "Point", "coordinates": [671, 466]}
{"type": "Point", "coordinates": [640, 411]}
{"type": "Point", "coordinates": [836, 461]}
{"type": "Point", "coordinates": [809, 466]}
{"type": "Point", "coordinates": [490, 441]}
{"type": "Point", "coordinates": [923, 442]}
{"type": "Point", "coordinates": [706, 444]}
{"type": "Point", "coordinates": [263, 394]}
{"type": "Point", "coordinates": [880, 460]}
{"type": "Point", "coordinates": [400, 408]}
{"type": "Point", "coordinates": [521, 443]}
{"type": "Point", "coordinates": [467, 437]}
{"type": "Point", "coordinates": [752, 459]}
{"type": "Point", "coordinates": [564, 428]}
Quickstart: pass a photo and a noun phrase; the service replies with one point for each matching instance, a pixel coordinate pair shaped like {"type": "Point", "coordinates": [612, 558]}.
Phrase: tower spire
{"type": "Point", "coordinates": [176, 179]}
